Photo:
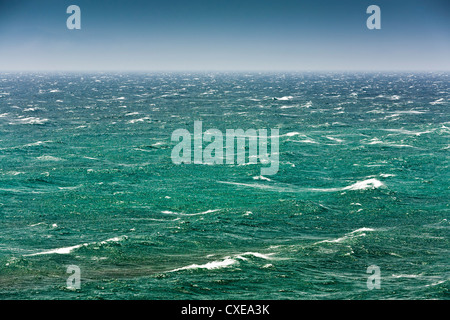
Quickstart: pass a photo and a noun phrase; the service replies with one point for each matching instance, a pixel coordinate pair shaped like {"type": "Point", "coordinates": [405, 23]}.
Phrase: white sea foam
{"type": "Point", "coordinates": [29, 120]}
{"type": "Point", "coordinates": [351, 235]}
{"type": "Point", "coordinates": [375, 111]}
{"type": "Point", "coordinates": [36, 224]}
{"type": "Point", "coordinates": [406, 276]}
{"type": "Point", "coordinates": [409, 112]}
{"type": "Point", "coordinates": [291, 134]}
{"type": "Point", "coordinates": [210, 265]}
{"type": "Point", "coordinates": [49, 158]}
{"type": "Point", "coordinates": [386, 175]}
{"type": "Point", "coordinates": [258, 255]}
{"type": "Point", "coordinates": [226, 262]}
{"type": "Point", "coordinates": [309, 140]}
{"type": "Point", "coordinates": [288, 107]}
{"type": "Point", "coordinates": [438, 101]}
{"type": "Point", "coordinates": [37, 143]}
{"type": "Point", "coordinates": [261, 178]}
{"type": "Point", "coordinates": [360, 185]}
{"type": "Point", "coordinates": [335, 139]}
{"type": "Point", "coordinates": [375, 141]}
{"type": "Point", "coordinates": [307, 104]}
{"type": "Point", "coordinates": [409, 132]}
{"type": "Point", "coordinates": [67, 250]}
{"type": "Point", "coordinates": [366, 184]}
{"type": "Point", "coordinates": [190, 214]}
{"type": "Point", "coordinates": [138, 120]}
{"type": "Point", "coordinates": [285, 98]}
{"type": "Point", "coordinates": [14, 173]}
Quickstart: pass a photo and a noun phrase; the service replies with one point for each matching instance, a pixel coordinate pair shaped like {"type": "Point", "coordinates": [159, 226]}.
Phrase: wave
{"type": "Point", "coordinates": [335, 139]}
{"type": "Point", "coordinates": [360, 185]}
{"type": "Point", "coordinates": [409, 132]}
{"type": "Point", "coordinates": [366, 184]}
{"type": "Point", "coordinates": [67, 250]}
{"type": "Point", "coordinates": [49, 158]}
{"type": "Point", "coordinates": [261, 178]}
{"type": "Point", "coordinates": [408, 112]}
{"type": "Point", "coordinates": [138, 120]}
{"type": "Point", "coordinates": [292, 134]}
{"type": "Point", "coordinates": [285, 98]}
{"type": "Point", "coordinates": [438, 101]}
{"type": "Point", "coordinates": [37, 143]}
{"type": "Point", "coordinates": [131, 114]}
{"type": "Point", "coordinates": [28, 145]}
{"type": "Point", "coordinates": [210, 265]}
{"type": "Point", "coordinates": [351, 235]}
{"type": "Point", "coordinates": [288, 107]}
{"type": "Point", "coordinates": [226, 261]}
{"type": "Point", "coordinates": [190, 214]}
{"type": "Point", "coordinates": [29, 120]}
{"type": "Point", "coordinates": [389, 144]}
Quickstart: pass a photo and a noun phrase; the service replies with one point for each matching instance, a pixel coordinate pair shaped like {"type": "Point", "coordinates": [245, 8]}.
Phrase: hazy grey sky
{"type": "Point", "coordinates": [233, 35]}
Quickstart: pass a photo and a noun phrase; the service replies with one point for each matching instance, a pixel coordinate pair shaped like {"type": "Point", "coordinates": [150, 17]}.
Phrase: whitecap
{"type": "Point", "coordinates": [287, 107]}
{"type": "Point", "coordinates": [409, 132]}
{"type": "Point", "coordinates": [307, 105]}
{"type": "Point", "coordinates": [190, 214]}
{"type": "Point", "coordinates": [64, 250]}
{"type": "Point", "coordinates": [226, 262]}
{"type": "Point", "coordinates": [438, 101]}
{"type": "Point", "coordinates": [386, 175]}
{"type": "Point", "coordinates": [261, 178]}
{"type": "Point", "coordinates": [37, 143]}
{"type": "Point", "coordinates": [408, 112]}
{"type": "Point", "coordinates": [406, 276]}
{"type": "Point", "coordinates": [138, 120]}
{"type": "Point", "coordinates": [67, 250]}
{"type": "Point", "coordinates": [360, 185]}
{"type": "Point", "coordinates": [366, 184]}
{"type": "Point", "coordinates": [29, 120]}
{"type": "Point", "coordinates": [291, 134]}
{"type": "Point", "coordinates": [210, 265]}
{"type": "Point", "coordinates": [335, 139]}
{"type": "Point", "coordinates": [49, 158]}
{"type": "Point", "coordinates": [285, 98]}
{"type": "Point", "coordinates": [36, 224]}
{"type": "Point", "coordinates": [351, 235]}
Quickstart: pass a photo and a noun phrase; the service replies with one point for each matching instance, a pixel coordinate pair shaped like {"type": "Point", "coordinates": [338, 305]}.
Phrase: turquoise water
{"type": "Point", "coordinates": [86, 179]}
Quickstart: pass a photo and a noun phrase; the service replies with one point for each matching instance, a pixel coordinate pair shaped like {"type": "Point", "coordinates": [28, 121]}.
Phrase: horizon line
{"type": "Point", "coordinates": [231, 71]}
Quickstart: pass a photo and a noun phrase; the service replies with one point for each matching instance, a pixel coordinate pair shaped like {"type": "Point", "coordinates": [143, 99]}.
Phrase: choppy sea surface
{"type": "Point", "coordinates": [86, 179]}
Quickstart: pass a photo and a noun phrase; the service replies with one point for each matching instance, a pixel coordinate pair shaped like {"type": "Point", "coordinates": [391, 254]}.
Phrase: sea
{"type": "Point", "coordinates": [92, 205]}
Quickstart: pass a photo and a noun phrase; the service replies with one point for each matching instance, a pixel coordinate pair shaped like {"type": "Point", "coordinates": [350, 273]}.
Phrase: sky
{"type": "Point", "coordinates": [219, 35]}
